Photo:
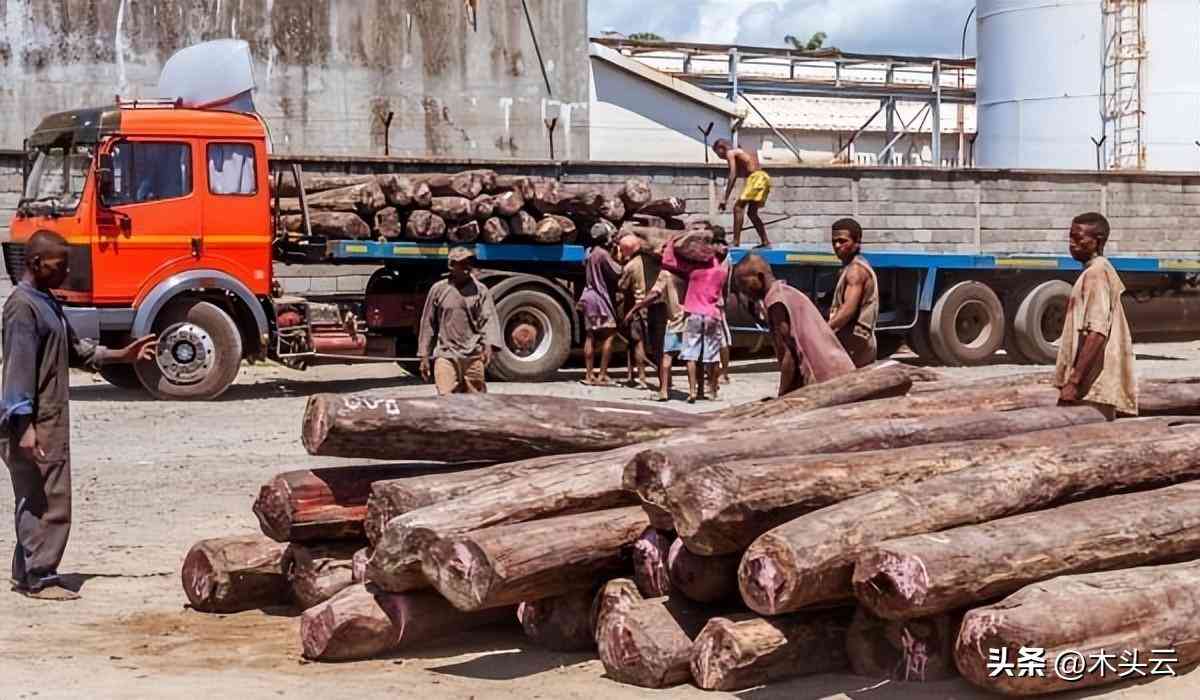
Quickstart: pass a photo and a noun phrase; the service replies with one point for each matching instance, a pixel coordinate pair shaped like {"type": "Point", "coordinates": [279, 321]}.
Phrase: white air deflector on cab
{"type": "Point", "coordinates": [212, 75]}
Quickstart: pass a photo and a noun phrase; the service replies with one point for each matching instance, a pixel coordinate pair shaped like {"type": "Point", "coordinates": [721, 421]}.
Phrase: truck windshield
{"type": "Point", "coordinates": [56, 180]}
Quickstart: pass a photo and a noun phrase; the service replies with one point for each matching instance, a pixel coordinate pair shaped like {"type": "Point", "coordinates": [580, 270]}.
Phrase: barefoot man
{"type": "Point", "coordinates": [743, 162]}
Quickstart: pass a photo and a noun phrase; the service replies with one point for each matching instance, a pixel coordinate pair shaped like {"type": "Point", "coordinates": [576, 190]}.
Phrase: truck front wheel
{"type": "Point", "coordinates": [122, 377]}
{"type": "Point", "coordinates": [199, 353]}
{"type": "Point", "coordinates": [536, 333]}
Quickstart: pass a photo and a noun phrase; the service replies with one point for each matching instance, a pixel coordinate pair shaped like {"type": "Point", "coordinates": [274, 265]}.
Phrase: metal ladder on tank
{"type": "Point", "coordinates": [1121, 93]}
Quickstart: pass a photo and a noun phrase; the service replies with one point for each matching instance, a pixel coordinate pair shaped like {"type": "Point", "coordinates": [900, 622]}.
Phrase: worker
{"type": "Point", "coordinates": [459, 330]}
{"type": "Point", "coordinates": [722, 251]}
{"type": "Point", "coordinates": [855, 305]}
{"type": "Point", "coordinates": [39, 348]}
{"type": "Point", "coordinates": [1095, 353]}
{"type": "Point", "coordinates": [638, 275]}
{"type": "Point", "coordinates": [743, 162]}
{"type": "Point", "coordinates": [805, 345]}
{"type": "Point", "coordinates": [668, 291]}
{"type": "Point", "coordinates": [596, 304]}
{"type": "Point", "coordinates": [703, 334]}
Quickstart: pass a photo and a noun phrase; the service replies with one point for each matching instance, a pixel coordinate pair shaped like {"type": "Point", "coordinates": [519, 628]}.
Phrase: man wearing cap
{"type": "Point", "coordinates": [459, 327]}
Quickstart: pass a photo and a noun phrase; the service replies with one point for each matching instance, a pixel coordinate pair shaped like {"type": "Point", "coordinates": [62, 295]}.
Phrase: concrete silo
{"type": "Point", "coordinates": [1071, 84]}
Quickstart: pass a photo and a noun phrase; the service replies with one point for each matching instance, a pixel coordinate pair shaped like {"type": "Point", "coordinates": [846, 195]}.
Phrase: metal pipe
{"type": "Point", "coordinates": [733, 91]}
{"type": "Point", "coordinates": [858, 132]}
{"type": "Point", "coordinates": [537, 49]}
{"type": "Point", "coordinates": [777, 132]}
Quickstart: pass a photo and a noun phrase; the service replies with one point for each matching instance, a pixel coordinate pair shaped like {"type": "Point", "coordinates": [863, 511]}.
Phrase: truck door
{"type": "Point", "coordinates": [150, 222]}
{"type": "Point", "coordinates": [237, 218]}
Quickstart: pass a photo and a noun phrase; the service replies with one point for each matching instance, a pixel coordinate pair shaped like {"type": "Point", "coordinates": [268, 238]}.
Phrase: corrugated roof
{"type": "Point", "coordinates": [836, 114]}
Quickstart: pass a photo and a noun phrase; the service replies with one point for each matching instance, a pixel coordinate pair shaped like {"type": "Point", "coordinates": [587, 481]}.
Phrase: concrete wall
{"type": "Point", "coordinates": [327, 70]}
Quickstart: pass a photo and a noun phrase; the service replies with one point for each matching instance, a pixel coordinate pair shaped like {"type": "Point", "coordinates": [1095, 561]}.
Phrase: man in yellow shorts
{"type": "Point", "coordinates": [743, 162]}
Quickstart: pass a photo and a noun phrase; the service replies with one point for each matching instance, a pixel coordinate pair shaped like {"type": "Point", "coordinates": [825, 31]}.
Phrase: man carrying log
{"type": "Point", "coordinates": [1095, 355]}
{"type": "Point", "coordinates": [639, 274]}
{"type": "Point", "coordinates": [39, 348]}
{"type": "Point", "coordinates": [743, 162]}
{"type": "Point", "coordinates": [805, 345]}
{"type": "Point", "coordinates": [669, 291]}
{"type": "Point", "coordinates": [459, 329]}
{"type": "Point", "coordinates": [856, 297]}
{"type": "Point", "coordinates": [596, 304]}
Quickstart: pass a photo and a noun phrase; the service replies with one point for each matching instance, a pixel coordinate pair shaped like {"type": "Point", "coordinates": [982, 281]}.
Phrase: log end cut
{"type": "Point", "coordinates": [459, 569]}
{"type": "Point", "coordinates": [715, 654]}
{"type": "Point", "coordinates": [318, 417]}
{"type": "Point", "coordinates": [351, 625]}
{"type": "Point", "coordinates": [232, 574]}
{"type": "Point", "coordinates": [273, 508]}
{"type": "Point", "coordinates": [891, 585]}
{"type": "Point", "coordinates": [765, 575]}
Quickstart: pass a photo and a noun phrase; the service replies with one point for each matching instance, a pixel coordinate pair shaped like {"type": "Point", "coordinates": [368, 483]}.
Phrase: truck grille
{"type": "Point", "coordinates": [14, 260]}
{"type": "Point", "coordinates": [79, 265]}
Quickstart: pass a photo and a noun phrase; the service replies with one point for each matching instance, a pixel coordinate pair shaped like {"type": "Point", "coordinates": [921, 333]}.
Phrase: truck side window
{"type": "Point", "coordinates": [231, 168]}
{"type": "Point", "coordinates": [146, 171]}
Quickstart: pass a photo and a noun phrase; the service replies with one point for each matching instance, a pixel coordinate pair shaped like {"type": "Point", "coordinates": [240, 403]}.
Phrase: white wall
{"type": "Point", "coordinates": [635, 120]}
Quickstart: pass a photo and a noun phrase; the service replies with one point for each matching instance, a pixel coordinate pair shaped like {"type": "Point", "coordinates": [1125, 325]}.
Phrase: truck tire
{"type": "Point", "coordinates": [199, 353]}
{"type": "Point", "coordinates": [918, 339]}
{"type": "Point", "coordinates": [1013, 347]}
{"type": "Point", "coordinates": [527, 312]}
{"type": "Point", "coordinates": [1038, 322]}
{"type": "Point", "coordinates": [122, 377]}
{"type": "Point", "coordinates": [967, 324]}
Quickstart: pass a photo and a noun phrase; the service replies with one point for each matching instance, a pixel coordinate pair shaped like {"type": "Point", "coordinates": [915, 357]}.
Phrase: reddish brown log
{"type": "Point", "coordinates": [733, 655]}
{"type": "Point", "coordinates": [457, 185]}
{"type": "Point", "coordinates": [650, 563]}
{"type": "Point", "coordinates": [231, 574]}
{"type": "Point", "coordinates": [924, 575]}
{"type": "Point", "coordinates": [612, 210]}
{"type": "Point", "coordinates": [522, 225]}
{"type": "Point", "coordinates": [453, 210]}
{"type": "Point", "coordinates": [648, 221]}
{"type": "Point", "coordinates": [403, 192]}
{"type": "Point", "coordinates": [618, 594]}
{"type": "Point", "coordinates": [316, 182]}
{"type": "Point", "coordinates": [464, 233]}
{"type": "Point", "coordinates": [559, 623]}
{"type": "Point", "coordinates": [508, 203]}
{"type": "Point", "coordinates": [810, 560]}
{"type": "Point", "coordinates": [918, 651]}
{"type": "Point", "coordinates": [318, 571]}
{"type": "Point", "coordinates": [335, 225]}
{"type": "Point", "coordinates": [491, 427]}
{"type": "Point", "coordinates": [548, 197]}
{"type": "Point", "coordinates": [548, 231]}
{"type": "Point", "coordinates": [487, 179]}
{"type": "Point", "coordinates": [424, 225]}
{"type": "Point", "coordinates": [523, 186]}
{"type": "Point", "coordinates": [671, 206]}
{"type": "Point", "coordinates": [323, 504]}
{"type": "Point", "coordinates": [483, 206]}
{"type": "Point", "coordinates": [495, 230]}
{"type": "Point", "coordinates": [1148, 608]}
{"type": "Point", "coordinates": [585, 203]}
{"type": "Point", "coordinates": [363, 199]}
{"type": "Point", "coordinates": [362, 623]}
{"type": "Point", "coordinates": [648, 643]}
{"type": "Point", "coordinates": [569, 231]}
{"type": "Point", "coordinates": [358, 565]}
{"type": "Point", "coordinates": [634, 195]}
{"type": "Point", "coordinates": [877, 381]}
{"type": "Point", "coordinates": [504, 565]}
{"type": "Point", "coordinates": [387, 223]}
{"type": "Point", "coordinates": [702, 579]}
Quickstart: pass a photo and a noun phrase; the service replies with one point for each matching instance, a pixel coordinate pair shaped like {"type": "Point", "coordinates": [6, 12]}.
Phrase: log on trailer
{"type": "Point", "coordinates": [737, 654]}
{"type": "Point", "coordinates": [424, 225]}
{"type": "Point", "coordinates": [918, 651]}
{"type": "Point", "coordinates": [522, 225]}
{"type": "Point", "coordinates": [363, 199]}
{"type": "Point", "coordinates": [402, 192]}
{"type": "Point", "coordinates": [505, 565]}
{"type": "Point", "coordinates": [335, 225]}
{"type": "Point", "coordinates": [457, 185]}
{"type": "Point", "coordinates": [668, 207]}
{"type": "Point", "coordinates": [924, 575]}
{"type": "Point", "coordinates": [388, 224]}
{"type": "Point", "coordinates": [453, 210]}
{"type": "Point", "coordinates": [570, 231]}
{"type": "Point", "coordinates": [522, 185]}
{"type": "Point", "coordinates": [508, 203]}
{"type": "Point", "coordinates": [1147, 608]}
{"type": "Point", "coordinates": [635, 194]}
{"type": "Point", "coordinates": [702, 579]}
{"type": "Point", "coordinates": [487, 179]}
{"type": "Point", "coordinates": [548, 196]}
{"type": "Point", "coordinates": [306, 505]}
{"type": "Point", "coordinates": [231, 574]}
{"type": "Point", "coordinates": [583, 203]}
{"type": "Point", "coordinates": [481, 427]}
{"type": "Point", "coordinates": [314, 183]}
{"type": "Point", "coordinates": [559, 623]}
{"type": "Point", "coordinates": [495, 230]}
{"type": "Point", "coordinates": [648, 643]}
{"type": "Point", "coordinates": [361, 623]}
{"type": "Point", "coordinates": [483, 207]}
{"type": "Point", "coordinates": [318, 571]}
{"type": "Point", "coordinates": [548, 231]}
{"type": "Point", "coordinates": [810, 560]}
{"type": "Point", "coordinates": [650, 563]}
{"type": "Point", "coordinates": [612, 210]}
{"type": "Point", "coordinates": [463, 233]}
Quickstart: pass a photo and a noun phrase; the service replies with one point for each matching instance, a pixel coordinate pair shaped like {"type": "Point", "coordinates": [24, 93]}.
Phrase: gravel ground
{"type": "Point", "coordinates": [153, 477]}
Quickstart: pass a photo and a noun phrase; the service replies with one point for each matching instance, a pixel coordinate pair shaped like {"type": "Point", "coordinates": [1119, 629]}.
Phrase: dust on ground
{"type": "Point", "coordinates": [153, 477]}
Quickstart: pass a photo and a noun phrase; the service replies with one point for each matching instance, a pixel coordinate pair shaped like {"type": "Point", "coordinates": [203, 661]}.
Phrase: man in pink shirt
{"type": "Point", "coordinates": [806, 347]}
{"type": "Point", "coordinates": [705, 331]}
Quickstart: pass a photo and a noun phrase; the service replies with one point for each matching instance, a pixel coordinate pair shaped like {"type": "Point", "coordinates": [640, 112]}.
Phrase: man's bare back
{"type": "Point", "coordinates": [745, 160]}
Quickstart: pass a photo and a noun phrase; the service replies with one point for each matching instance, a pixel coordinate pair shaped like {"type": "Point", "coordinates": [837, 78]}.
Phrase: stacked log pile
{"type": "Point", "coordinates": [469, 207]}
{"type": "Point", "coordinates": [856, 525]}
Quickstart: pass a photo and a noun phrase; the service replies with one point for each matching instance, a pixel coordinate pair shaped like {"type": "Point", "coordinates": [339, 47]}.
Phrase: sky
{"type": "Point", "coordinates": [925, 27]}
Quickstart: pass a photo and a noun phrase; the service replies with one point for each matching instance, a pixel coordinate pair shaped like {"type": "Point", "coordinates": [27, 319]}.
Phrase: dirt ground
{"type": "Point", "coordinates": [151, 478]}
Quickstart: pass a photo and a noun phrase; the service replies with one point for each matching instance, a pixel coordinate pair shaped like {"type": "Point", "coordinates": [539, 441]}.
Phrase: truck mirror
{"type": "Point", "coordinates": [104, 176]}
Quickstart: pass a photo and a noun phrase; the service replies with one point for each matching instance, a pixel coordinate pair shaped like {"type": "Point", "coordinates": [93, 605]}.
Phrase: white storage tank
{"type": "Point", "coordinates": [1050, 81]}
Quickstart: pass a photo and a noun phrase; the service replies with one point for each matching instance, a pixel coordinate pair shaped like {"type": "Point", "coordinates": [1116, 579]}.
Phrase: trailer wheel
{"type": "Point", "coordinates": [122, 377]}
{"type": "Point", "coordinates": [1039, 321]}
{"type": "Point", "coordinates": [537, 337]}
{"type": "Point", "coordinates": [918, 339]}
{"type": "Point", "coordinates": [967, 324]}
{"type": "Point", "coordinates": [1013, 347]}
{"type": "Point", "coordinates": [199, 353]}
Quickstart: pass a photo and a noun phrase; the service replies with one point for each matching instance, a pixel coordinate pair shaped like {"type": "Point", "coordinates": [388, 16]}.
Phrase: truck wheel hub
{"type": "Point", "coordinates": [185, 353]}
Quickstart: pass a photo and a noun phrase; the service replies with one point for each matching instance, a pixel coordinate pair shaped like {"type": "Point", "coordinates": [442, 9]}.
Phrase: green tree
{"type": "Point", "coordinates": [645, 36]}
{"type": "Point", "coordinates": [816, 41]}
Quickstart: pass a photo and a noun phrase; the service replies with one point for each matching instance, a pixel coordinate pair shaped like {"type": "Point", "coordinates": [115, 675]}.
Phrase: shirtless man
{"type": "Point", "coordinates": [743, 162]}
{"type": "Point", "coordinates": [855, 306]}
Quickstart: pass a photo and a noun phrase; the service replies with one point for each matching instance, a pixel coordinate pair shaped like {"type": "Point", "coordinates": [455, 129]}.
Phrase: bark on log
{"type": "Point", "coordinates": [314, 183]}
{"type": "Point", "coordinates": [508, 203]}
{"type": "Point", "coordinates": [650, 563]}
{"type": "Point", "coordinates": [559, 623]}
{"type": "Point", "coordinates": [486, 178]}
{"type": "Point", "coordinates": [548, 196]}
{"type": "Point", "coordinates": [523, 186]}
{"type": "Point", "coordinates": [522, 225]}
{"type": "Point", "coordinates": [423, 225]}
{"type": "Point", "coordinates": [724, 507]}
{"type": "Point", "coordinates": [925, 575]}
{"type": "Point", "coordinates": [671, 206]}
{"type": "Point", "coordinates": [729, 655]}
{"type": "Point", "coordinates": [1146, 608]}
{"type": "Point", "coordinates": [317, 572]}
{"type": "Point", "coordinates": [363, 199]}
{"type": "Point", "coordinates": [361, 623]}
{"type": "Point", "coordinates": [612, 209]}
{"type": "Point", "coordinates": [457, 185]}
{"type": "Point", "coordinates": [358, 565]}
{"type": "Point", "coordinates": [464, 233]}
{"type": "Point", "coordinates": [548, 231]}
{"type": "Point", "coordinates": [810, 560]}
{"type": "Point", "coordinates": [231, 574]}
{"type": "Point", "coordinates": [653, 471]}
{"type": "Point", "coordinates": [486, 427]}
{"type": "Point", "coordinates": [649, 643]}
{"type": "Point", "coordinates": [918, 651]}
{"type": "Point", "coordinates": [569, 231]}
{"type": "Point", "coordinates": [585, 203]}
{"type": "Point", "coordinates": [877, 381]}
{"type": "Point", "coordinates": [483, 206]}
{"type": "Point", "coordinates": [336, 225]}
{"type": "Point", "coordinates": [494, 231]}
{"type": "Point", "coordinates": [508, 564]}
{"type": "Point", "coordinates": [702, 579]}
{"type": "Point", "coordinates": [387, 223]}
{"type": "Point", "coordinates": [402, 192]}
{"type": "Point", "coordinates": [453, 210]}
{"type": "Point", "coordinates": [634, 195]}
{"type": "Point", "coordinates": [648, 221]}
{"type": "Point", "coordinates": [307, 505]}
